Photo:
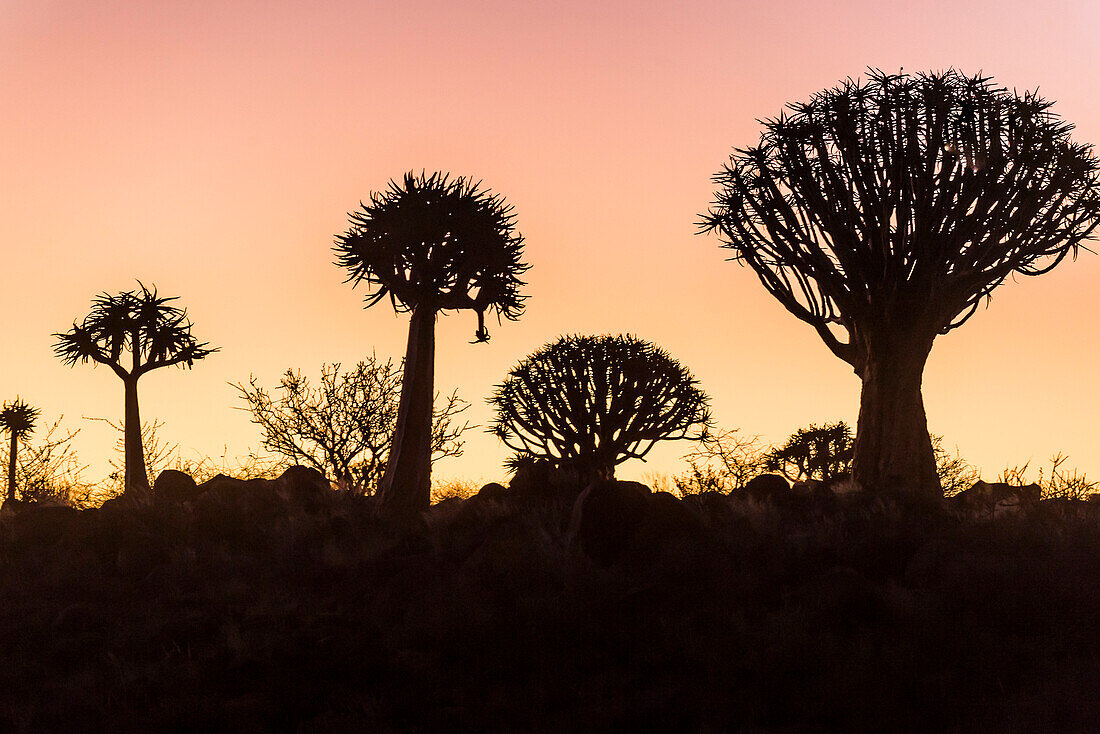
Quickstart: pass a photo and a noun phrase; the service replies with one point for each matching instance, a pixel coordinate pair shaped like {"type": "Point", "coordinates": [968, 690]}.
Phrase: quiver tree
{"type": "Point", "coordinates": [155, 334]}
{"type": "Point", "coordinates": [882, 213]}
{"type": "Point", "coordinates": [823, 453]}
{"type": "Point", "coordinates": [18, 420]}
{"type": "Point", "coordinates": [589, 403]}
{"type": "Point", "coordinates": [344, 426]}
{"type": "Point", "coordinates": [430, 244]}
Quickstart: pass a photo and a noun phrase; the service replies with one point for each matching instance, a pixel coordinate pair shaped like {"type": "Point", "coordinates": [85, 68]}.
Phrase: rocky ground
{"type": "Point", "coordinates": [285, 606]}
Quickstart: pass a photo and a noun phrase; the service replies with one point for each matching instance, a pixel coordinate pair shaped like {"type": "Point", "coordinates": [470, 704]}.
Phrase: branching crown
{"type": "Point", "coordinates": [439, 243]}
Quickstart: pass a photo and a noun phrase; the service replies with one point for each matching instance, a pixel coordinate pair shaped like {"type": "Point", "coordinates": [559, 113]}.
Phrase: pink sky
{"type": "Point", "coordinates": [214, 149]}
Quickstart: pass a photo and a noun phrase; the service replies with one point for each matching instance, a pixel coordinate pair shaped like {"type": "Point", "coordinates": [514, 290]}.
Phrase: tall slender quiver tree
{"type": "Point", "coordinates": [882, 213]}
{"type": "Point", "coordinates": [430, 244]}
{"type": "Point", "coordinates": [155, 333]}
{"type": "Point", "coordinates": [17, 419]}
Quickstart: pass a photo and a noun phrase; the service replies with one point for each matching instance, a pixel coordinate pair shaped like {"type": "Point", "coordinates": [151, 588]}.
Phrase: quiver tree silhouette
{"type": "Point", "coordinates": [344, 426]}
{"type": "Point", "coordinates": [882, 213]}
{"type": "Point", "coordinates": [155, 333]}
{"type": "Point", "coordinates": [430, 244]}
{"type": "Point", "coordinates": [589, 403]}
{"type": "Point", "coordinates": [18, 419]}
{"type": "Point", "coordinates": [823, 453]}
{"type": "Point", "coordinates": [47, 469]}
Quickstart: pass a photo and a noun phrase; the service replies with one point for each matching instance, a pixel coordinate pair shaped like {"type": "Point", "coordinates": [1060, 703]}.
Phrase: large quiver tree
{"type": "Point", "coordinates": [589, 403]}
{"type": "Point", "coordinates": [882, 213]}
{"type": "Point", "coordinates": [430, 244]}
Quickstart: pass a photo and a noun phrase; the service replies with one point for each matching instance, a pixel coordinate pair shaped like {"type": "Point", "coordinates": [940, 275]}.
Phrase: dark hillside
{"type": "Point", "coordinates": [284, 606]}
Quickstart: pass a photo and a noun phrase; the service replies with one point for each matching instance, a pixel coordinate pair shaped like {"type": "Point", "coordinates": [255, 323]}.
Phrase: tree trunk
{"type": "Point", "coordinates": [11, 465]}
{"type": "Point", "coordinates": [407, 483]}
{"type": "Point", "coordinates": [133, 451]}
{"type": "Point", "coordinates": [893, 451]}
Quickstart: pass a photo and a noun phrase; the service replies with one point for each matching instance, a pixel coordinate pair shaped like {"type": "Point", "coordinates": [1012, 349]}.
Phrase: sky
{"type": "Point", "coordinates": [215, 149]}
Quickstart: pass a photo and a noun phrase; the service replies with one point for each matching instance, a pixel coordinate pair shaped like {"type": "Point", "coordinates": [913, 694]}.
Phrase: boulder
{"type": "Point", "coordinates": [669, 530]}
{"type": "Point", "coordinates": [766, 488]}
{"type": "Point", "coordinates": [303, 486]}
{"type": "Point", "coordinates": [997, 498]}
{"type": "Point", "coordinates": [541, 479]}
{"type": "Point", "coordinates": [1069, 508]}
{"type": "Point", "coordinates": [492, 491]}
{"type": "Point", "coordinates": [13, 507]}
{"type": "Point", "coordinates": [606, 515]}
{"type": "Point", "coordinates": [713, 507]}
{"type": "Point", "coordinates": [845, 486]}
{"type": "Point", "coordinates": [222, 486]}
{"type": "Point", "coordinates": [174, 486]}
{"type": "Point", "coordinates": [230, 507]}
{"type": "Point", "coordinates": [36, 524]}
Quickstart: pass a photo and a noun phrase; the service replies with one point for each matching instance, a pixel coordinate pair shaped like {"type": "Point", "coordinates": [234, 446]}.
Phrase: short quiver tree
{"type": "Point", "coordinates": [430, 244]}
{"type": "Point", "coordinates": [155, 333]}
{"type": "Point", "coordinates": [882, 213]}
{"type": "Point", "coordinates": [823, 453]}
{"type": "Point", "coordinates": [589, 403]}
{"type": "Point", "coordinates": [18, 420]}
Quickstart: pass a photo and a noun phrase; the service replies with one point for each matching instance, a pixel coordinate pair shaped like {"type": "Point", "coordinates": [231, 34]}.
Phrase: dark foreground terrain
{"type": "Point", "coordinates": [284, 606]}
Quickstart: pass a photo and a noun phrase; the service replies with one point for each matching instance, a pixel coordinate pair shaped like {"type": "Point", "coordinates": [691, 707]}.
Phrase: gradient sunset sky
{"type": "Point", "coordinates": [214, 149]}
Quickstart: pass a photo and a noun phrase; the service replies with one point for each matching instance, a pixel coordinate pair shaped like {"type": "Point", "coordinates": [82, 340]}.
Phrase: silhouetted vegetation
{"type": "Point", "coordinates": [430, 244]}
{"type": "Point", "coordinates": [721, 461]}
{"type": "Point", "coordinates": [1060, 483]}
{"type": "Point", "coordinates": [822, 453]}
{"type": "Point", "coordinates": [18, 419]}
{"type": "Point", "coordinates": [884, 212]}
{"type": "Point", "coordinates": [955, 473]}
{"type": "Point", "coordinates": [48, 469]}
{"type": "Point", "coordinates": [286, 606]}
{"type": "Point", "coordinates": [155, 333]}
{"type": "Point", "coordinates": [881, 212]}
{"type": "Point", "coordinates": [589, 403]}
{"type": "Point", "coordinates": [344, 427]}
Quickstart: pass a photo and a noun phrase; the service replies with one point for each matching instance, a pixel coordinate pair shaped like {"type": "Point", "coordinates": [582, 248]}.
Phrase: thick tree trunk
{"type": "Point", "coordinates": [407, 483]}
{"type": "Point", "coordinates": [11, 465]}
{"type": "Point", "coordinates": [893, 452]}
{"type": "Point", "coordinates": [133, 451]}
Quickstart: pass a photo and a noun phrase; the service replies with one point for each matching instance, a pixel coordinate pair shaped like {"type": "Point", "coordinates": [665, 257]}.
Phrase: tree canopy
{"type": "Point", "coordinates": [140, 322]}
{"type": "Point", "coordinates": [911, 195]}
{"type": "Point", "coordinates": [592, 402]}
{"type": "Point", "coordinates": [438, 242]}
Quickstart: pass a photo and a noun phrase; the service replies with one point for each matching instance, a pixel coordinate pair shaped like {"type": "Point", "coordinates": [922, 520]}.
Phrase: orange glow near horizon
{"type": "Point", "coordinates": [215, 152]}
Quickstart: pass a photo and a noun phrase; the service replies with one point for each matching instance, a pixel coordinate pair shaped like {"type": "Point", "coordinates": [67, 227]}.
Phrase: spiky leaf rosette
{"type": "Point", "coordinates": [906, 199]}
{"type": "Point", "coordinates": [435, 242]}
{"type": "Point", "coordinates": [18, 418]}
{"type": "Point", "coordinates": [142, 323]}
{"type": "Point", "coordinates": [592, 402]}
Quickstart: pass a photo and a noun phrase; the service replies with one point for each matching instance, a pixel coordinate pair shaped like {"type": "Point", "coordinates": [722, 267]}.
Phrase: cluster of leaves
{"type": "Point", "coordinates": [140, 322]}
{"type": "Point", "coordinates": [437, 243]}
